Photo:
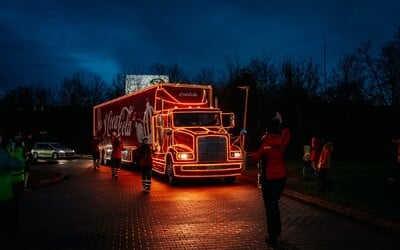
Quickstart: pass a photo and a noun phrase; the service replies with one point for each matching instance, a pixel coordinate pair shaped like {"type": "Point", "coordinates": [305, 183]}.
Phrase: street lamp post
{"type": "Point", "coordinates": [243, 133]}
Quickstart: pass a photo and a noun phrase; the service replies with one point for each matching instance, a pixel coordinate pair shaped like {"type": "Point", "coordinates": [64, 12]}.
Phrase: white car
{"type": "Point", "coordinates": [51, 150]}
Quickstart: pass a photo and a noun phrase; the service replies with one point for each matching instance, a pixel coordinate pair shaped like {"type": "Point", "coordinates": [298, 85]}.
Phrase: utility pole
{"type": "Point", "coordinates": [325, 89]}
{"type": "Point", "coordinates": [243, 133]}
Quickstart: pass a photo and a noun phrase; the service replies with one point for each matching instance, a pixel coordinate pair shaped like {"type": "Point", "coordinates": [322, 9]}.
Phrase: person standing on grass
{"type": "Point", "coordinates": [314, 153]}
{"type": "Point", "coordinates": [116, 154]}
{"type": "Point", "coordinates": [323, 166]}
{"type": "Point", "coordinates": [306, 165]}
{"type": "Point", "coordinates": [272, 152]}
{"type": "Point", "coordinates": [396, 174]}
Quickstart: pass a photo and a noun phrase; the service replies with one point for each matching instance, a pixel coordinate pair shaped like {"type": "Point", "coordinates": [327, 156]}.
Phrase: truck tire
{"type": "Point", "coordinates": [169, 172]}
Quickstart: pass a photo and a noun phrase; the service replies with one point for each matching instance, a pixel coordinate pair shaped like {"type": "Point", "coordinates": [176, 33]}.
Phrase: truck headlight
{"type": "Point", "coordinates": [236, 154]}
{"type": "Point", "coordinates": [184, 156]}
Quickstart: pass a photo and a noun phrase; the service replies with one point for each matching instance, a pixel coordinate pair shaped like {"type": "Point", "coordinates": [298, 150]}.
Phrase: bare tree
{"type": "Point", "coordinates": [350, 77]}
{"type": "Point", "coordinates": [264, 90]}
{"type": "Point", "coordinates": [176, 74]}
{"type": "Point", "coordinates": [389, 65]}
{"type": "Point", "coordinates": [375, 90]}
{"type": "Point", "coordinates": [173, 71]}
{"type": "Point", "coordinates": [73, 92]}
{"type": "Point", "coordinates": [206, 76]}
{"type": "Point", "coordinates": [117, 86]}
{"type": "Point", "coordinates": [300, 80]}
{"type": "Point", "coordinates": [265, 72]}
{"type": "Point", "coordinates": [311, 81]}
{"type": "Point", "coordinates": [43, 97]}
{"type": "Point", "coordinates": [98, 91]}
{"type": "Point", "coordinates": [159, 69]}
{"type": "Point", "coordinates": [233, 66]}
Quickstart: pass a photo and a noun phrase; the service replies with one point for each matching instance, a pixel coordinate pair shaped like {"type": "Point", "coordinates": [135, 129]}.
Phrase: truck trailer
{"type": "Point", "coordinates": [189, 135]}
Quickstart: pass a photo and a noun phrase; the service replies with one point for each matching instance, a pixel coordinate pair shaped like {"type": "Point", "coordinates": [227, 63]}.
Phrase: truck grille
{"type": "Point", "coordinates": [212, 149]}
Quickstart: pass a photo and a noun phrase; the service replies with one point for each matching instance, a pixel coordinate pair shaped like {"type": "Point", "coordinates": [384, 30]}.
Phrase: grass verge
{"type": "Point", "coordinates": [363, 186]}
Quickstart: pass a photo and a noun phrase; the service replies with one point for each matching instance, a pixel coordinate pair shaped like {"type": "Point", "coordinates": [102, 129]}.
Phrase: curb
{"type": "Point", "coordinates": [357, 214]}
{"type": "Point", "coordinates": [250, 176]}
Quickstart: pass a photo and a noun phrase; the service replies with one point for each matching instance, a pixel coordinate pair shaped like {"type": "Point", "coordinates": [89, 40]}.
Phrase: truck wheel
{"type": "Point", "coordinates": [170, 172]}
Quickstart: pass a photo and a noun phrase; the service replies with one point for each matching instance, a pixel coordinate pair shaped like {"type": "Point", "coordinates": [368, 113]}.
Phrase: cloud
{"type": "Point", "coordinates": [46, 41]}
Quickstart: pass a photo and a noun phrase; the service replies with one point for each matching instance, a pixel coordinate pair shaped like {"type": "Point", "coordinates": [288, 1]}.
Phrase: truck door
{"type": "Point", "coordinates": [159, 139]}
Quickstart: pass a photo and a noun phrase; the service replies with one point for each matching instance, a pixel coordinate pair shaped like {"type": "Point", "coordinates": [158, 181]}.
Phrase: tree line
{"type": "Point", "coordinates": [360, 94]}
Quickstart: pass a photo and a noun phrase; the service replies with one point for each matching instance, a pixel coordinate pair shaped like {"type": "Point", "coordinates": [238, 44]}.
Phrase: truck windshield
{"type": "Point", "coordinates": [196, 119]}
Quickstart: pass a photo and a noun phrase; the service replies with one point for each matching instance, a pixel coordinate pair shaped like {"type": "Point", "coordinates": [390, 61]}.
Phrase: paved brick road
{"type": "Point", "coordinates": [92, 211]}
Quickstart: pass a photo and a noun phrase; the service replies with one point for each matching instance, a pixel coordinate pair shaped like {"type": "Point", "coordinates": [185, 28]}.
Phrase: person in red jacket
{"type": "Point", "coordinates": [116, 154]}
{"type": "Point", "coordinates": [314, 153]}
{"type": "Point", "coordinates": [396, 169]}
{"type": "Point", "coordinates": [324, 164]}
{"type": "Point", "coordinates": [272, 152]}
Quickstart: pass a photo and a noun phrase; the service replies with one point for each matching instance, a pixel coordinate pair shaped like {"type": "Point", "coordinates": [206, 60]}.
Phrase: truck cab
{"type": "Point", "coordinates": [194, 143]}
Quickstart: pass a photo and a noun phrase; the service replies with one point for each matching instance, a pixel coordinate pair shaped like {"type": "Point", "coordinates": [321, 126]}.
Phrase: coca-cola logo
{"type": "Point", "coordinates": [188, 94]}
{"type": "Point", "coordinates": [121, 123]}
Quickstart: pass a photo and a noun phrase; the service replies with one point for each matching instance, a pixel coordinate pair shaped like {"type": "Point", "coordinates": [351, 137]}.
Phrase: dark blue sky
{"type": "Point", "coordinates": [47, 40]}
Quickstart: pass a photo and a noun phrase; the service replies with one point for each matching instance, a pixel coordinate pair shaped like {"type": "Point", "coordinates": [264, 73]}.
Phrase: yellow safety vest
{"type": "Point", "coordinates": [6, 191]}
{"type": "Point", "coordinates": [17, 176]}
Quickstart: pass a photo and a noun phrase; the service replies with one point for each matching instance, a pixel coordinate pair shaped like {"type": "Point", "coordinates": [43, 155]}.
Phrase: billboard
{"type": "Point", "coordinates": [137, 82]}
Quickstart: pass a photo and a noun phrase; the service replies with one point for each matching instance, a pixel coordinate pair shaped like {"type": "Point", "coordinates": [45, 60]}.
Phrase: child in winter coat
{"type": "Point", "coordinates": [306, 166]}
{"type": "Point", "coordinates": [324, 164]}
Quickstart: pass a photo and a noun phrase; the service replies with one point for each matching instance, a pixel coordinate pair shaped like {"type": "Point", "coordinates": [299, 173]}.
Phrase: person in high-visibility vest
{"type": "Point", "coordinates": [8, 217]}
{"type": "Point", "coordinates": [17, 151]}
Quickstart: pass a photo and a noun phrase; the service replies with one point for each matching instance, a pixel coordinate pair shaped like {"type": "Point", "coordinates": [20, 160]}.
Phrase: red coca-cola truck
{"type": "Point", "coordinates": [188, 133]}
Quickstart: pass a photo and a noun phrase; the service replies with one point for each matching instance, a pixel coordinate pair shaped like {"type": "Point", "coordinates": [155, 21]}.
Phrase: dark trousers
{"type": "Point", "coordinates": [306, 170]}
{"type": "Point", "coordinates": [271, 192]}
{"type": "Point", "coordinates": [8, 219]}
{"type": "Point", "coordinates": [146, 177]}
{"type": "Point", "coordinates": [9, 213]}
{"type": "Point", "coordinates": [115, 166]}
{"type": "Point", "coordinates": [324, 182]}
